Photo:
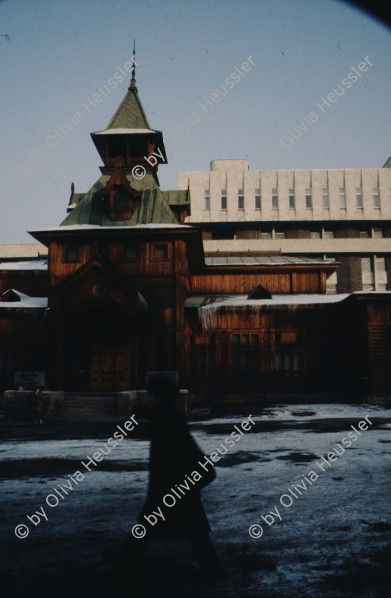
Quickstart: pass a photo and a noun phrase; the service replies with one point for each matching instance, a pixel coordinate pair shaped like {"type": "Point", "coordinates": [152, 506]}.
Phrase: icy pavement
{"type": "Point", "coordinates": [323, 535]}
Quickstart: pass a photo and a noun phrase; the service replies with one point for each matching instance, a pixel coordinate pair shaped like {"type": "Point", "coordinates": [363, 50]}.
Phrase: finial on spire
{"type": "Point", "coordinates": [133, 80]}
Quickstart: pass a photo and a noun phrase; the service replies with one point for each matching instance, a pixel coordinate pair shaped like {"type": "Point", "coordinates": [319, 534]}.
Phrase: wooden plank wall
{"type": "Point", "coordinates": [242, 283]}
{"type": "Point", "coordinates": [144, 267]}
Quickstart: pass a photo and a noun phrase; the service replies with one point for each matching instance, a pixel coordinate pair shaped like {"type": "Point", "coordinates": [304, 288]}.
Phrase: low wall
{"type": "Point", "coordinates": [59, 406]}
{"type": "Point", "coordinates": [19, 404]}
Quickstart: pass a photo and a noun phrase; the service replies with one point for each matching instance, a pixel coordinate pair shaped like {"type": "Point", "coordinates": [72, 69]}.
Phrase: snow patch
{"type": "Point", "coordinates": [25, 265]}
{"type": "Point", "coordinates": [208, 313]}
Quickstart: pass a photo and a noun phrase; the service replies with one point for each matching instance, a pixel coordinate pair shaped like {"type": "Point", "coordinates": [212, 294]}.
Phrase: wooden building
{"type": "Point", "coordinates": [128, 288]}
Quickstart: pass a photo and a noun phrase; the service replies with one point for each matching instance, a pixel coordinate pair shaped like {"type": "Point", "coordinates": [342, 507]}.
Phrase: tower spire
{"type": "Point", "coordinates": [133, 80]}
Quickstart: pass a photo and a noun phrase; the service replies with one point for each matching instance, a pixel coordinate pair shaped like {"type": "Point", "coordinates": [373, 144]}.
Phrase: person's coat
{"type": "Point", "coordinates": [174, 455]}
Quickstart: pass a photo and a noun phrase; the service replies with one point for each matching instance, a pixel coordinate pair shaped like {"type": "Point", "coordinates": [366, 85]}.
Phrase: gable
{"type": "Point", "coordinates": [95, 285]}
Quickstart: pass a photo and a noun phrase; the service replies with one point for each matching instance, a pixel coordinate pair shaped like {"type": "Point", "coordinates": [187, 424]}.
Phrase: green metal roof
{"type": "Point", "coordinates": [74, 200]}
{"type": "Point", "coordinates": [152, 208]}
{"type": "Point", "coordinates": [177, 197]}
{"type": "Point", "coordinates": [130, 114]}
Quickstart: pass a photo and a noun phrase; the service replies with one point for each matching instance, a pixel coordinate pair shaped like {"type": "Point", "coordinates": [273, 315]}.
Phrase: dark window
{"type": "Point", "coordinates": [308, 198]}
{"type": "Point", "coordinates": [223, 199]}
{"type": "Point", "coordinates": [120, 200]}
{"type": "Point", "coordinates": [292, 199]}
{"type": "Point", "coordinates": [275, 199]}
{"type": "Point", "coordinates": [72, 253]}
{"type": "Point", "coordinates": [203, 357]}
{"type": "Point", "coordinates": [160, 252]}
{"type": "Point", "coordinates": [240, 199]}
{"type": "Point", "coordinates": [245, 355]}
{"type": "Point", "coordinates": [131, 253]}
{"type": "Point", "coordinates": [258, 199]}
{"type": "Point", "coordinates": [288, 354]}
{"type": "Point", "coordinates": [207, 199]}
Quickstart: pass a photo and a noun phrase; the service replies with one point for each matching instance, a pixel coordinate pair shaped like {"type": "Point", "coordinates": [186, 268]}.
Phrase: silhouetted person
{"type": "Point", "coordinates": [174, 455]}
{"type": "Point", "coordinates": [38, 404]}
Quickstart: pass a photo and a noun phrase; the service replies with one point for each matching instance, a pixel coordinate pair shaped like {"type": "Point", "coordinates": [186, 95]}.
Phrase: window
{"type": "Point", "coordinates": [326, 198]}
{"type": "Point", "coordinates": [245, 355]}
{"type": "Point", "coordinates": [332, 280]}
{"type": "Point", "coordinates": [279, 235]}
{"type": "Point", "coordinates": [377, 233]}
{"type": "Point", "coordinates": [292, 199]}
{"type": "Point", "coordinates": [287, 354]}
{"type": "Point", "coordinates": [131, 253]}
{"type": "Point", "coordinates": [364, 234]}
{"type": "Point", "coordinates": [328, 234]}
{"type": "Point", "coordinates": [380, 274]}
{"type": "Point", "coordinates": [258, 201]}
{"type": "Point", "coordinates": [359, 198]}
{"type": "Point", "coordinates": [342, 198]}
{"type": "Point", "coordinates": [160, 251]}
{"type": "Point", "coordinates": [374, 273]}
{"type": "Point", "coordinates": [121, 200]}
{"type": "Point", "coordinates": [202, 356]}
{"type": "Point", "coordinates": [266, 235]}
{"type": "Point", "coordinates": [223, 199]}
{"type": "Point", "coordinates": [376, 197]}
{"type": "Point", "coordinates": [207, 199]}
{"type": "Point", "coordinates": [275, 199]}
{"type": "Point", "coordinates": [315, 234]}
{"type": "Point", "coordinates": [368, 279]}
{"type": "Point", "coordinates": [72, 253]}
{"type": "Point", "coordinates": [240, 199]}
{"type": "Point", "coordinates": [308, 198]}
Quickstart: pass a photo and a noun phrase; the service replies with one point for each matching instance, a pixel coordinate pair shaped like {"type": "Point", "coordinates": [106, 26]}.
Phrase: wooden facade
{"type": "Point", "coordinates": [130, 290]}
{"type": "Point", "coordinates": [279, 280]}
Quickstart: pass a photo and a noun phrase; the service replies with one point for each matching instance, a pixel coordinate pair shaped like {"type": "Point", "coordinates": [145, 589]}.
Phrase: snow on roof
{"type": "Point", "coordinates": [112, 228]}
{"type": "Point", "coordinates": [209, 306]}
{"type": "Point", "coordinates": [279, 260]}
{"type": "Point", "coordinates": [205, 302]}
{"type": "Point", "coordinates": [371, 293]}
{"type": "Point", "coordinates": [26, 302]}
{"type": "Point", "coordinates": [121, 131]}
{"type": "Point", "coordinates": [24, 265]}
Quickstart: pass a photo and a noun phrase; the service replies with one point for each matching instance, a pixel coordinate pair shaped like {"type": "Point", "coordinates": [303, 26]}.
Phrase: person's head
{"type": "Point", "coordinates": [164, 389]}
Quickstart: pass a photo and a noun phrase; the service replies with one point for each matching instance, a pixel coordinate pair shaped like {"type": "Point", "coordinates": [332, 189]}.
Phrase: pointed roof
{"type": "Point", "coordinates": [130, 117]}
{"type": "Point", "coordinates": [130, 114]}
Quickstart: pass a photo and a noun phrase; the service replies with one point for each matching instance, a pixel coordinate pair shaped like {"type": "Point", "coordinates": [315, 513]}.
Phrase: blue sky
{"type": "Point", "coordinates": [62, 52]}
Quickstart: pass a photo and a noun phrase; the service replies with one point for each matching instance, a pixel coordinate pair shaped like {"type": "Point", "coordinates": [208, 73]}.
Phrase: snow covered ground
{"type": "Point", "coordinates": [323, 535]}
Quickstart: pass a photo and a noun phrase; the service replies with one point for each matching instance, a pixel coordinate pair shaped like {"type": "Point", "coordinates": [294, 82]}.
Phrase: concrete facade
{"type": "Point", "coordinates": [342, 214]}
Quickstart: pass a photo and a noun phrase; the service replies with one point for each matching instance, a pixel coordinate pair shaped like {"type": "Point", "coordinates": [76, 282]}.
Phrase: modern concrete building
{"type": "Point", "coordinates": [343, 215]}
